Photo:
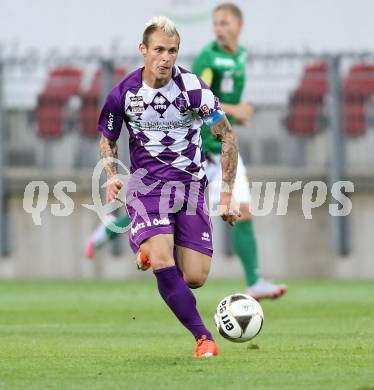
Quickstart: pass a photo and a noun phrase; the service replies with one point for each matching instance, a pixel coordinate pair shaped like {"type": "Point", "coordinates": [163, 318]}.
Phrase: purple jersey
{"type": "Point", "coordinates": [164, 124]}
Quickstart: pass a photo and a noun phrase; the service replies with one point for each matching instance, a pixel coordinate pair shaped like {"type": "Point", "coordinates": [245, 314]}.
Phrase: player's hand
{"type": "Point", "coordinates": [243, 113]}
{"type": "Point", "coordinates": [114, 186]}
{"type": "Point", "coordinates": [229, 208]}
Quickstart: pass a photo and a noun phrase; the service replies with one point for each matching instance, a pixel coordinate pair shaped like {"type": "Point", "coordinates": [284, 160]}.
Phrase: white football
{"type": "Point", "coordinates": [239, 318]}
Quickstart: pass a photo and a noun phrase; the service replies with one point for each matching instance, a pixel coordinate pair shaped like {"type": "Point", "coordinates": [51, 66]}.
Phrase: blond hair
{"type": "Point", "coordinates": [162, 23]}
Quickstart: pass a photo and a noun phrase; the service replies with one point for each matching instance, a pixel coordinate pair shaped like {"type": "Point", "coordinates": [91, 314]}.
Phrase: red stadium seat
{"type": "Point", "coordinates": [320, 67]}
{"type": "Point", "coordinates": [62, 83]}
{"type": "Point", "coordinates": [358, 88]}
{"type": "Point", "coordinates": [306, 103]}
{"type": "Point", "coordinates": [361, 68]}
{"type": "Point", "coordinates": [305, 119]}
{"type": "Point", "coordinates": [354, 119]}
{"type": "Point", "coordinates": [91, 103]}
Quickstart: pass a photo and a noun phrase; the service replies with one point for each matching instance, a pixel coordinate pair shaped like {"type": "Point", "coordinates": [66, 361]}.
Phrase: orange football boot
{"type": "Point", "coordinates": [142, 261]}
{"type": "Point", "coordinates": [90, 250]}
{"type": "Point", "coordinates": [206, 347]}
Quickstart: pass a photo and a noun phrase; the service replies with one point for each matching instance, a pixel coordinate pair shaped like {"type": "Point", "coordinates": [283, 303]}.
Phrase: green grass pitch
{"type": "Point", "coordinates": [120, 335]}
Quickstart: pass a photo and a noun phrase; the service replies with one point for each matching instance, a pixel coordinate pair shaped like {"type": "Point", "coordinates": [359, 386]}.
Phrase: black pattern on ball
{"type": "Point", "coordinates": [243, 322]}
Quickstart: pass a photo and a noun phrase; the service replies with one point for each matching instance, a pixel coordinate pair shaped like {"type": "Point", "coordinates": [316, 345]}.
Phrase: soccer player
{"type": "Point", "coordinates": [103, 233]}
{"type": "Point", "coordinates": [163, 107]}
{"type": "Point", "coordinates": [221, 64]}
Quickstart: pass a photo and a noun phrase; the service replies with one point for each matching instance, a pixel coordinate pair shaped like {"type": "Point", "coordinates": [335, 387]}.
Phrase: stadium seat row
{"type": "Point", "coordinates": [54, 102]}
{"type": "Point", "coordinates": [306, 111]}
{"type": "Point", "coordinates": [307, 105]}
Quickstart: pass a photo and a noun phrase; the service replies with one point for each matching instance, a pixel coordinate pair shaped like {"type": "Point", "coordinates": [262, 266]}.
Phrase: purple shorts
{"type": "Point", "coordinates": [179, 209]}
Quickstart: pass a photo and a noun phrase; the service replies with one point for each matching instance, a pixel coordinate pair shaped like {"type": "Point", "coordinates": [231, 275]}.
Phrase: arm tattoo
{"type": "Point", "coordinates": [109, 148]}
{"type": "Point", "coordinates": [222, 130]}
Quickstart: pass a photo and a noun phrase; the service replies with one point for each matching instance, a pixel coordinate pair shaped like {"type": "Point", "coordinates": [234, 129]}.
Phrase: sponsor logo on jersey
{"type": "Point", "coordinates": [158, 102]}
{"type": "Point", "coordinates": [155, 222]}
{"type": "Point", "coordinates": [219, 61]}
{"type": "Point", "coordinates": [185, 123]}
{"type": "Point", "coordinates": [205, 110]}
{"type": "Point", "coordinates": [110, 121]}
{"type": "Point", "coordinates": [136, 104]}
{"type": "Point", "coordinates": [181, 103]}
{"type": "Point", "coordinates": [163, 221]}
{"type": "Point", "coordinates": [137, 227]}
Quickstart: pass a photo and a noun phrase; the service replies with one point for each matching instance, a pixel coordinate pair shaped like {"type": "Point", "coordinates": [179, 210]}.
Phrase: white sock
{"type": "Point", "coordinates": [99, 237]}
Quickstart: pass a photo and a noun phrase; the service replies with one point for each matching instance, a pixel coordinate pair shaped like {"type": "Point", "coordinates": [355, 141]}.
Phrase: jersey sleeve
{"type": "Point", "coordinates": [205, 104]}
{"type": "Point", "coordinates": [201, 66]}
{"type": "Point", "coordinates": [111, 118]}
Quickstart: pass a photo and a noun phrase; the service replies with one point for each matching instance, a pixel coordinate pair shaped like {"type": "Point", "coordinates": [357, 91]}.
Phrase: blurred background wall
{"type": "Point", "coordinates": [271, 25]}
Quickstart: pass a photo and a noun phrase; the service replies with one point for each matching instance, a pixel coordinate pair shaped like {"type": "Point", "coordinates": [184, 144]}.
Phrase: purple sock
{"type": "Point", "coordinates": [181, 301]}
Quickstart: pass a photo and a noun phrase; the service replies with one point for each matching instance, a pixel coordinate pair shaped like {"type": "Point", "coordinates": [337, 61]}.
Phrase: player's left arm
{"type": "Point", "coordinates": [223, 131]}
{"type": "Point", "coordinates": [208, 108]}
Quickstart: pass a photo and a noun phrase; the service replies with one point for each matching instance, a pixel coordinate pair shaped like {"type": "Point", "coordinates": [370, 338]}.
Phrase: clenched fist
{"type": "Point", "coordinates": [114, 186]}
{"type": "Point", "coordinates": [229, 208]}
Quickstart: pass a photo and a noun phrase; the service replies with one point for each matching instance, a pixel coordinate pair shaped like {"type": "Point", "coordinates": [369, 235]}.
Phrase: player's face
{"type": "Point", "coordinates": [227, 27]}
{"type": "Point", "coordinates": [160, 55]}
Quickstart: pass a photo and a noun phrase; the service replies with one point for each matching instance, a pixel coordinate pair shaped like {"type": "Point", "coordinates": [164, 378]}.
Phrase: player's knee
{"type": "Point", "coordinates": [161, 261]}
{"type": "Point", "coordinates": [159, 252]}
{"type": "Point", "coordinates": [159, 258]}
{"type": "Point", "coordinates": [196, 281]}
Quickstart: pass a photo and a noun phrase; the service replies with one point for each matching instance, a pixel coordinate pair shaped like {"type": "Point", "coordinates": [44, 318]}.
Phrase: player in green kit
{"type": "Point", "coordinates": [103, 234]}
{"type": "Point", "coordinates": [222, 65]}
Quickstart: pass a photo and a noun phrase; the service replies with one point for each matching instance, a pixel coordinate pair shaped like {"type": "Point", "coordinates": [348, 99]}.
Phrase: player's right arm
{"type": "Point", "coordinates": [110, 124]}
{"type": "Point", "coordinates": [109, 154]}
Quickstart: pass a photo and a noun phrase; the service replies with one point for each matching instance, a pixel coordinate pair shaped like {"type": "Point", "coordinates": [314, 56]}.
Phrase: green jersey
{"type": "Point", "coordinates": [225, 75]}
